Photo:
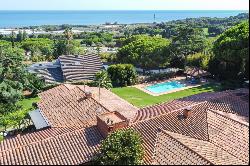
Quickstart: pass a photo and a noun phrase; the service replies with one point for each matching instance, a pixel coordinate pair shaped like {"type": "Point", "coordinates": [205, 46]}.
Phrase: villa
{"type": "Point", "coordinates": [68, 68]}
{"type": "Point", "coordinates": [208, 128]}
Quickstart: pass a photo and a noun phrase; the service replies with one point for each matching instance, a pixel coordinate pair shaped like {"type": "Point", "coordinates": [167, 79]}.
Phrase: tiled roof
{"type": "Point", "coordinates": [226, 101]}
{"type": "Point", "coordinates": [67, 106]}
{"type": "Point", "coordinates": [212, 136]}
{"type": "Point", "coordinates": [169, 151]}
{"type": "Point", "coordinates": [51, 75]}
{"type": "Point", "coordinates": [208, 136]}
{"type": "Point", "coordinates": [112, 102]}
{"type": "Point", "coordinates": [72, 147]}
{"type": "Point", "coordinates": [195, 126]}
{"type": "Point", "coordinates": [80, 67]}
{"type": "Point", "coordinates": [229, 135]}
{"type": "Point", "coordinates": [230, 104]}
{"type": "Point", "coordinates": [209, 151]}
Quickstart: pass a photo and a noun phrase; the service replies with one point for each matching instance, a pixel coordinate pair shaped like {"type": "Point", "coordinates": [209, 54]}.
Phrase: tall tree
{"type": "Point", "coordinates": [13, 38]}
{"type": "Point", "coordinates": [68, 34]}
{"type": "Point", "coordinates": [145, 51]}
{"type": "Point", "coordinates": [187, 41]}
{"type": "Point", "coordinates": [231, 49]}
{"type": "Point", "coordinates": [103, 80]}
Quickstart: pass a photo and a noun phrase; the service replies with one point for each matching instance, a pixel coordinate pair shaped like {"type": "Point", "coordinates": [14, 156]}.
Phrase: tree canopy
{"type": "Point", "coordinates": [144, 51]}
{"type": "Point", "coordinates": [41, 46]}
{"type": "Point", "coordinates": [231, 49]}
{"type": "Point", "coordinates": [122, 147]}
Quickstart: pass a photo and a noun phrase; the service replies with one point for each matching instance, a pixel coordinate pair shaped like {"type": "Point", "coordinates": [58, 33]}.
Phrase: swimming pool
{"type": "Point", "coordinates": [164, 87]}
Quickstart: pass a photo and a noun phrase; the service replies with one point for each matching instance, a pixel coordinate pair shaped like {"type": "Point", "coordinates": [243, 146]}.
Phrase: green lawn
{"type": "Point", "coordinates": [141, 99]}
{"type": "Point", "coordinates": [27, 102]}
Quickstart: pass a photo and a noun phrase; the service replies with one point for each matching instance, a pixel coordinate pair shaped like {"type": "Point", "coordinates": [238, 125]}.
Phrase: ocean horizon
{"type": "Point", "coordinates": [22, 18]}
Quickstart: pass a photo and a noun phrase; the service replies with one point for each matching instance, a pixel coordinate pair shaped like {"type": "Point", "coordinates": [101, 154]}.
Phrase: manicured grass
{"type": "Point", "coordinates": [27, 102]}
{"type": "Point", "coordinates": [141, 99]}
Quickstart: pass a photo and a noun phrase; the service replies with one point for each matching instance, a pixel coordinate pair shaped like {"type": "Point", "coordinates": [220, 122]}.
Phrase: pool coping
{"type": "Point", "coordinates": [182, 80]}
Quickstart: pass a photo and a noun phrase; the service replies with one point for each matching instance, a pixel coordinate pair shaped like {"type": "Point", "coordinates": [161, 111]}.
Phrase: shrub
{"type": "Point", "coordinates": [161, 76]}
{"type": "Point", "coordinates": [122, 74]}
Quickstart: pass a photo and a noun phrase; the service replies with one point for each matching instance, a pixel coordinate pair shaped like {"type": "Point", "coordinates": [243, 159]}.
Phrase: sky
{"type": "Point", "coordinates": [124, 5]}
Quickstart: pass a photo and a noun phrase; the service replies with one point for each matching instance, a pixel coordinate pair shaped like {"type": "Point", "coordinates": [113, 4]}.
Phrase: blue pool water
{"type": "Point", "coordinates": [164, 87]}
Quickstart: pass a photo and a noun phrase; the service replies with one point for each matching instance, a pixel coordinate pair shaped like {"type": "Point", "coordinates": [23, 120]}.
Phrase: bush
{"type": "Point", "coordinates": [161, 76]}
{"type": "Point", "coordinates": [123, 147]}
{"type": "Point", "coordinates": [122, 74]}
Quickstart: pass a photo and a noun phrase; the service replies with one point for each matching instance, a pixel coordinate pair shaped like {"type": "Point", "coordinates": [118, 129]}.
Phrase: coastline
{"type": "Point", "coordinates": [27, 18]}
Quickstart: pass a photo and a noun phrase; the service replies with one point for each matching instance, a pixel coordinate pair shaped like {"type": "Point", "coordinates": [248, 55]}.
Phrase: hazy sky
{"type": "Point", "coordinates": [124, 4]}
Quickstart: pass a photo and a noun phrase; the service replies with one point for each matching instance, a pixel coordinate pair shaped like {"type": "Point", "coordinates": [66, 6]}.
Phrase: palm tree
{"type": "Point", "coordinates": [102, 80]}
{"type": "Point", "coordinates": [68, 34]}
{"type": "Point", "coordinates": [13, 38]}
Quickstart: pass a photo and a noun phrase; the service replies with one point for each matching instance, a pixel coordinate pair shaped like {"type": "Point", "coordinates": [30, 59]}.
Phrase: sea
{"type": "Point", "coordinates": [16, 19]}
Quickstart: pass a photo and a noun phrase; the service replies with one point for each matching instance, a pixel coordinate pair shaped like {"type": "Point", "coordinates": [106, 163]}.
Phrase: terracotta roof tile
{"type": "Point", "coordinates": [195, 126]}
{"type": "Point", "coordinates": [169, 151]}
{"type": "Point", "coordinates": [67, 107]}
{"type": "Point", "coordinates": [73, 147]}
{"type": "Point", "coordinates": [206, 137]}
{"type": "Point", "coordinates": [229, 135]}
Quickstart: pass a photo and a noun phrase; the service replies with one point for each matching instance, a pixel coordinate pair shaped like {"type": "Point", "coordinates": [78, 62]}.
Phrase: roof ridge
{"type": "Point", "coordinates": [175, 110]}
{"type": "Point", "coordinates": [163, 131]}
{"type": "Point", "coordinates": [159, 130]}
{"type": "Point", "coordinates": [216, 112]}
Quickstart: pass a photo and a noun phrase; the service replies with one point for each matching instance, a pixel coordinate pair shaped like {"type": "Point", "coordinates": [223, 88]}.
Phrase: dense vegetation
{"type": "Point", "coordinates": [231, 52]}
{"type": "Point", "coordinates": [122, 74]}
{"type": "Point", "coordinates": [94, 38]}
{"type": "Point", "coordinates": [219, 45]}
{"type": "Point", "coordinates": [144, 51]}
{"type": "Point", "coordinates": [122, 147]}
{"type": "Point", "coordinates": [14, 80]}
{"type": "Point", "coordinates": [102, 79]}
{"type": "Point", "coordinates": [212, 26]}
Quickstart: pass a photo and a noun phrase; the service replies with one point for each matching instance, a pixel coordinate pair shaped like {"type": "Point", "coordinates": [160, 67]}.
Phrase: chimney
{"type": "Point", "coordinates": [187, 112]}
{"type": "Point", "coordinates": [88, 94]}
{"type": "Point", "coordinates": [110, 122]}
